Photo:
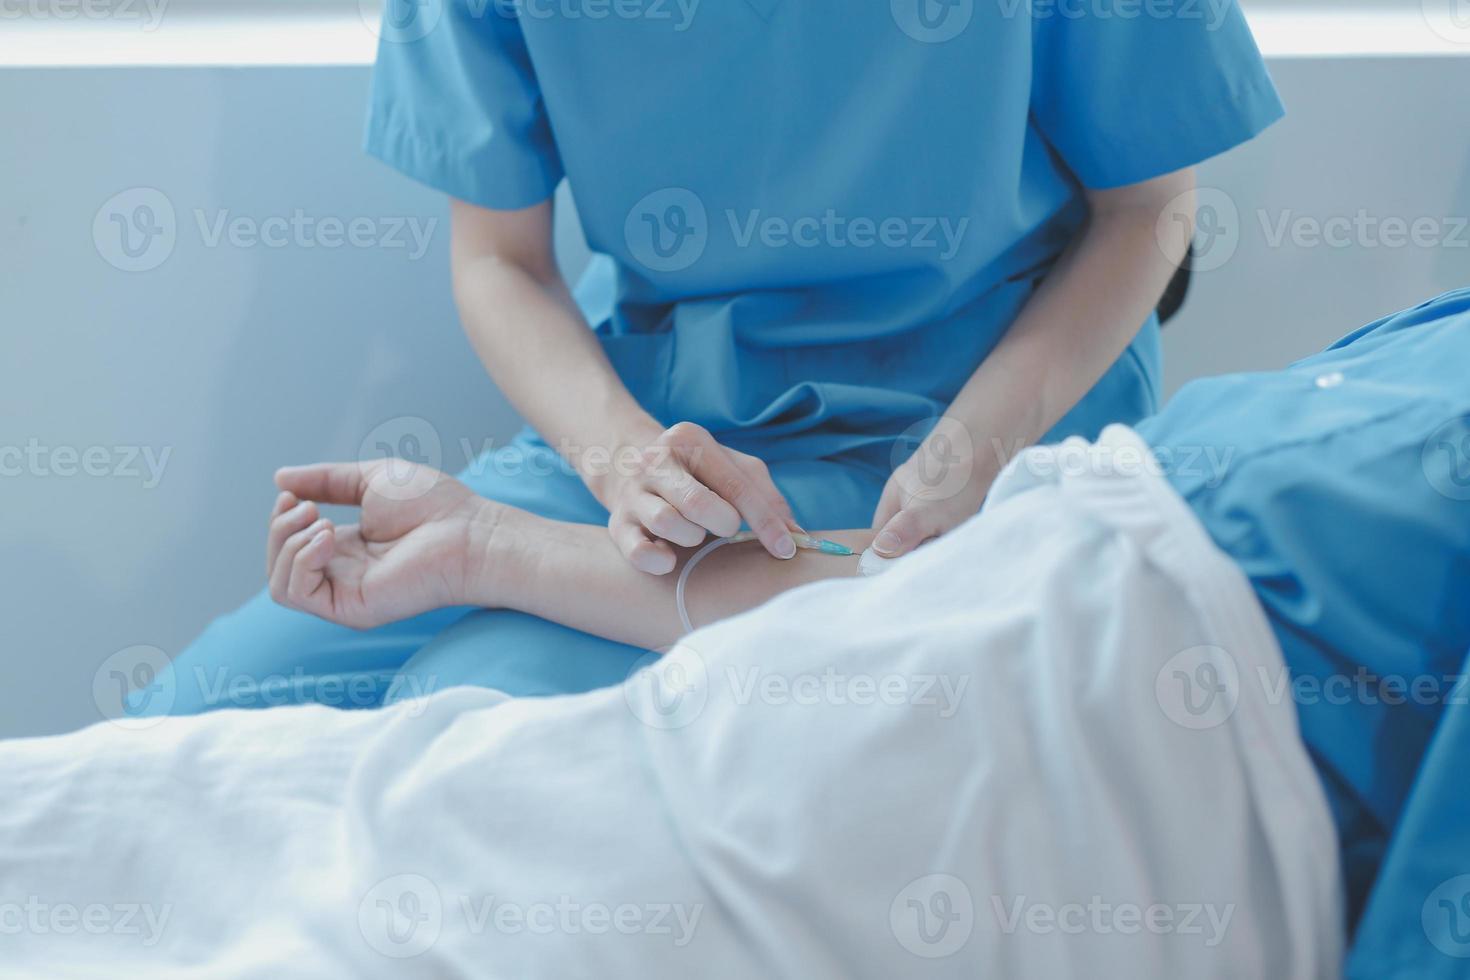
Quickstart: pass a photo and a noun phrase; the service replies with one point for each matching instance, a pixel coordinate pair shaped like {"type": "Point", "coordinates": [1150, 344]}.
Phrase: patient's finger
{"type": "Point", "coordinates": [285, 525]}
{"type": "Point", "coordinates": [643, 553]}
{"type": "Point", "coordinates": [308, 572]}
{"type": "Point", "coordinates": [281, 572]}
{"type": "Point", "coordinates": [327, 483]}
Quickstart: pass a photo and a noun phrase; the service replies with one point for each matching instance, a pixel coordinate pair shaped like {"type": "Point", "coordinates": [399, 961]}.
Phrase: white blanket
{"type": "Point", "coordinates": [1035, 748]}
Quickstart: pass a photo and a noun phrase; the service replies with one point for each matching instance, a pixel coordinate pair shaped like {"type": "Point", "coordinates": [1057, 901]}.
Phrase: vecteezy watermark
{"type": "Point", "coordinates": [412, 455]}
{"type": "Point", "coordinates": [932, 21]}
{"type": "Point", "coordinates": [404, 915]}
{"type": "Point", "coordinates": [35, 459]}
{"type": "Point", "coordinates": [1449, 19]}
{"type": "Point", "coordinates": [933, 459]}
{"type": "Point", "coordinates": [1213, 228]}
{"type": "Point", "coordinates": [668, 691]}
{"type": "Point", "coordinates": [1365, 687]}
{"type": "Point", "coordinates": [1363, 229]}
{"type": "Point", "coordinates": [1217, 229]}
{"type": "Point", "coordinates": [222, 688]}
{"type": "Point", "coordinates": [932, 916]}
{"type": "Point", "coordinates": [1102, 918]}
{"type": "Point", "coordinates": [1446, 459]}
{"type": "Point", "coordinates": [670, 229]}
{"type": "Point", "coordinates": [38, 917]}
{"type": "Point", "coordinates": [754, 684]}
{"type": "Point", "coordinates": [677, 14]}
{"type": "Point", "coordinates": [1445, 917]}
{"type": "Point", "coordinates": [831, 230]}
{"type": "Point", "coordinates": [134, 687]}
{"type": "Point", "coordinates": [403, 21]}
{"type": "Point", "coordinates": [1212, 13]}
{"type": "Point", "coordinates": [148, 13]}
{"type": "Point", "coordinates": [667, 230]}
{"type": "Point", "coordinates": [1209, 465]}
{"type": "Point", "coordinates": [1198, 688]}
{"type": "Point", "coordinates": [136, 230]}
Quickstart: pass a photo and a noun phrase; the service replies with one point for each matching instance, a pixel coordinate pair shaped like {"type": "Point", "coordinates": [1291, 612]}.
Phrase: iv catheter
{"type": "Point", "coordinates": [804, 542]}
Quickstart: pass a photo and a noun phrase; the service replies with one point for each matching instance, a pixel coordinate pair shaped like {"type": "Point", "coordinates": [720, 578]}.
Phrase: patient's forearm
{"type": "Point", "coordinates": [573, 574]}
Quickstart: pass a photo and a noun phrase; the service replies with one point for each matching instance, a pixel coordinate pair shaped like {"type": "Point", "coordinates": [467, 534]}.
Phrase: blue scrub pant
{"type": "Point", "coordinates": [264, 655]}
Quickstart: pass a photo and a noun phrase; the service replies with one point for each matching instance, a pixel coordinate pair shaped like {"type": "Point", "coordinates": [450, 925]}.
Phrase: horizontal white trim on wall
{"type": "Point", "coordinates": [159, 33]}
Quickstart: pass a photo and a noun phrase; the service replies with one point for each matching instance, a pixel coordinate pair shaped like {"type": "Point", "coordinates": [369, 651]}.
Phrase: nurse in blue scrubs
{"type": "Point", "coordinates": [852, 256]}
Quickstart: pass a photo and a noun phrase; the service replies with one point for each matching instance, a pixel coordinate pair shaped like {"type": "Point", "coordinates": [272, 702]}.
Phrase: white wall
{"type": "Point", "coordinates": [235, 360]}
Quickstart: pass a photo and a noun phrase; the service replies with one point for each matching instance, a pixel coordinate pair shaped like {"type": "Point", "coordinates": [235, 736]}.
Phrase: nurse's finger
{"type": "Point", "coordinates": [283, 526]}
{"type": "Point", "coordinates": [760, 474]}
{"type": "Point", "coordinates": [643, 553]}
{"type": "Point", "coordinates": [691, 498]}
{"type": "Point", "coordinates": [752, 495]}
{"type": "Point", "coordinates": [662, 520]}
{"type": "Point", "coordinates": [327, 483]}
{"type": "Point", "coordinates": [308, 572]}
{"type": "Point", "coordinates": [888, 505]}
{"type": "Point", "coordinates": [903, 533]}
{"type": "Point", "coordinates": [281, 572]}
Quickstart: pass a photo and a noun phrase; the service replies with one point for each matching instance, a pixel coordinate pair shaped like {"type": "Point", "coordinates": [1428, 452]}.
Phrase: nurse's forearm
{"type": "Point", "coordinates": [522, 321]}
{"type": "Point", "coordinates": [573, 574]}
{"type": "Point", "coordinates": [1080, 320]}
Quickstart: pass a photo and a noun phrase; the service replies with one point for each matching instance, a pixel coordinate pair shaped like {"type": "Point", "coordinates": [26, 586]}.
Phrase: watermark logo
{"type": "Point", "coordinates": [1215, 231]}
{"type": "Point", "coordinates": [933, 916]}
{"type": "Point", "coordinates": [1445, 917]}
{"type": "Point", "coordinates": [933, 459]}
{"type": "Point", "coordinates": [135, 230]}
{"type": "Point", "coordinates": [134, 687]}
{"type": "Point", "coordinates": [1449, 19]}
{"type": "Point", "coordinates": [400, 21]}
{"type": "Point", "coordinates": [668, 691]}
{"type": "Point", "coordinates": [413, 454]}
{"type": "Point", "coordinates": [667, 231]}
{"type": "Point", "coordinates": [1446, 459]}
{"type": "Point", "coordinates": [401, 916]}
{"type": "Point", "coordinates": [1198, 688]}
{"type": "Point", "coordinates": [932, 21]}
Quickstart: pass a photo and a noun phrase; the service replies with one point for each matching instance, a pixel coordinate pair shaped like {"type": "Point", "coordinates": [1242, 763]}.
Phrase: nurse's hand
{"type": "Point", "coordinates": [935, 490]}
{"type": "Point", "coordinates": [406, 555]}
{"type": "Point", "coordinates": [687, 485]}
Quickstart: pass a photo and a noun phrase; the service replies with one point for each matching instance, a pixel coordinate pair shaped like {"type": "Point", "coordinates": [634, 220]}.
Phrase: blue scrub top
{"type": "Point", "coordinates": [1346, 501]}
{"type": "Point", "coordinates": [819, 216]}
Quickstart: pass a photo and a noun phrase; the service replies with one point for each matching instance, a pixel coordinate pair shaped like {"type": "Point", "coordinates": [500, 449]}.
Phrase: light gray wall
{"type": "Point", "coordinates": [235, 360]}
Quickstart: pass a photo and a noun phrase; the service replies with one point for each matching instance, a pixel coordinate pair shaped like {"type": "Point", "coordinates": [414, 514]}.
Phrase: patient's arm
{"type": "Point", "coordinates": [425, 541]}
{"type": "Point", "coordinates": [573, 574]}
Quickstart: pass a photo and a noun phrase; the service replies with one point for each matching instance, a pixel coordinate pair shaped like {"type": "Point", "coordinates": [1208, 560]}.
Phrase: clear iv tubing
{"type": "Point", "coordinates": [695, 559]}
{"type": "Point", "coordinates": [803, 541]}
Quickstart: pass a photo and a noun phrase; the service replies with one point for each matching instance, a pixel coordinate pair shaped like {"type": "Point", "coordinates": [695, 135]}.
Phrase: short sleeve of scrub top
{"type": "Point", "coordinates": [816, 218]}
{"type": "Point", "coordinates": [1127, 90]}
{"type": "Point", "coordinates": [456, 104]}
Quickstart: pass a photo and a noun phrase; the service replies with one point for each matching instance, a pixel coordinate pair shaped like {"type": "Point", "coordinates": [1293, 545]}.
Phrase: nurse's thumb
{"type": "Point", "coordinates": [902, 534]}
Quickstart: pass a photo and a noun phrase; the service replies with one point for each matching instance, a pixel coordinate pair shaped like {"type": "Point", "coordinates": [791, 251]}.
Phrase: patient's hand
{"type": "Point", "coordinates": [407, 555]}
